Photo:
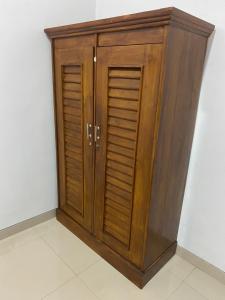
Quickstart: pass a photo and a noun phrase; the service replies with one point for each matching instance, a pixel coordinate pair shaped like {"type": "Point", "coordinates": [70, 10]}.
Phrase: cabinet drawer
{"type": "Point", "coordinates": [131, 37]}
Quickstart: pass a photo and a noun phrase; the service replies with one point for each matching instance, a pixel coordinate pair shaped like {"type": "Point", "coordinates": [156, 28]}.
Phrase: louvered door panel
{"type": "Point", "coordinates": [124, 99]}
{"type": "Point", "coordinates": [123, 102]}
{"type": "Point", "coordinates": [74, 107]}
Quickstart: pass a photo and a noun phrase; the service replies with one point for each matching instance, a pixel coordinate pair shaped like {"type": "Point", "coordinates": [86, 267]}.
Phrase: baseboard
{"type": "Point", "coordinates": [4, 233]}
{"type": "Point", "coordinates": [201, 264]}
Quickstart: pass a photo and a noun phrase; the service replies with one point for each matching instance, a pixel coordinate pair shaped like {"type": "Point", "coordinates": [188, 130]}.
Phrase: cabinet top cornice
{"type": "Point", "coordinates": [153, 18]}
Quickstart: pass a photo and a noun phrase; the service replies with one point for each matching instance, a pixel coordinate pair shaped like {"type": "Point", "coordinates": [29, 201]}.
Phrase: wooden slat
{"type": "Point", "coordinates": [116, 231]}
{"type": "Point", "coordinates": [123, 114]}
{"type": "Point", "coordinates": [72, 133]}
{"type": "Point", "coordinates": [71, 69]}
{"type": "Point", "coordinates": [121, 141]}
{"type": "Point", "coordinates": [69, 147]}
{"type": "Point", "coordinates": [73, 155]}
{"type": "Point", "coordinates": [117, 221]}
{"type": "Point", "coordinates": [120, 73]}
{"type": "Point", "coordinates": [74, 188]}
{"type": "Point", "coordinates": [120, 150]}
{"type": "Point", "coordinates": [110, 194]}
{"type": "Point", "coordinates": [125, 94]}
{"type": "Point", "coordinates": [75, 127]}
{"type": "Point", "coordinates": [75, 87]}
{"type": "Point", "coordinates": [124, 133]}
{"type": "Point", "coordinates": [72, 111]}
{"type": "Point", "coordinates": [72, 119]}
{"type": "Point", "coordinates": [120, 184]}
{"type": "Point", "coordinates": [73, 181]}
{"type": "Point", "coordinates": [119, 192]}
{"type": "Point", "coordinates": [120, 159]}
{"type": "Point", "coordinates": [73, 162]}
{"type": "Point", "coordinates": [115, 234]}
{"type": "Point", "coordinates": [73, 172]}
{"type": "Point", "coordinates": [119, 176]}
{"type": "Point", "coordinates": [122, 168]}
{"type": "Point", "coordinates": [72, 103]}
{"type": "Point", "coordinates": [114, 213]}
{"type": "Point", "coordinates": [73, 142]}
{"type": "Point", "coordinates": [129, 84]}
{"type": "Point", "coordinates": [72, 95]}
{"type": "Point", "coordinates": [116, 205]}
{"type": "Point", "coordinates": [74, 176]}
{"type": "Point", "coordinates": [75, 200]}
{"type": "Point", "coordinates": [76, 78]}
{"type": "Point", "coordinates": [122, 123]}
{"type": "Point", "coordinates": [123, 104]}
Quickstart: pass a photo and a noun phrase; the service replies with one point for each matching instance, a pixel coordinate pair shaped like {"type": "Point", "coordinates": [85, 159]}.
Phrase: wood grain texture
{"type": "Point", "coordinates": [123, 194]}
{"type": "Point", "coordinates": [154, 18]}
{"type": "Point", "coordinates": [125, 108]}
{"type": "Point", "coordinates": [74, 108]}
{"type": "Point", "coordinates": [132, 37]}
{"type": "Point", "coordinates": [183, 73]}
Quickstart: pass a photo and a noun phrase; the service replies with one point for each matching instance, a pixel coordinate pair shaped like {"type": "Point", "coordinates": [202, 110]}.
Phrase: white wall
{"type": "Point", "coordinates": [27, 149]}
{"type": "Point", "coordinates": [202, 227]}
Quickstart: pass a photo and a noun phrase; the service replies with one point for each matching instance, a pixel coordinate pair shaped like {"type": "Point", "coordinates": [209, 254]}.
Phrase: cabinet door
{"type": "Point", "coordinates": [74, 110]}
{"type": "Point", "coordinates": [126, 108]}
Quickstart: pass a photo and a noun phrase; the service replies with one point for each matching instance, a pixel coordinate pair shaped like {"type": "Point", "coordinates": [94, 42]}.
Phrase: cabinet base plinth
{"type": "Point", "coordinates": [138, 277]}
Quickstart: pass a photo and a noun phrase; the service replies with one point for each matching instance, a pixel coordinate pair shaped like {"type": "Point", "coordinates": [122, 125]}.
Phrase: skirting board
{"type": "Point", "coordinates": [187, 255]}
{"type": "Point", "coordinates": [4, 233]}
{"type": "Point", "coordinates": [201, 264]}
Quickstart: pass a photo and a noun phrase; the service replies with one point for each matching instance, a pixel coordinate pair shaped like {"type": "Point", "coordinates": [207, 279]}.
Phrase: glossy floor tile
{"type": "Point", "coordinates": [184, 292]}
{"type": "Point", "coordinates": [179, 267]}
{"type": "Point", "coordinates": [71, 249]}
{"type": "Point", "coordinates": [31, 271]}
{"type": "Point", "coordinates": [48, 262]}
{"type": "Point", "coordinates": [75, 289]}
{"type": "Point", "coordinates": [108, 284]}
{"type": "Point", "coordinates": [206, 285]}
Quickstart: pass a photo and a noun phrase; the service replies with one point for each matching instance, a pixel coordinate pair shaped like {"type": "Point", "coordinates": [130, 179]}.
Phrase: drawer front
{"type": "Point", "coordinates": [132, 37]}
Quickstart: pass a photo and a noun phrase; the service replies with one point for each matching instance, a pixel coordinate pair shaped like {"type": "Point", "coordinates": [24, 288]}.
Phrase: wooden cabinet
{"type": "Point", "coordinates": [126, 96]}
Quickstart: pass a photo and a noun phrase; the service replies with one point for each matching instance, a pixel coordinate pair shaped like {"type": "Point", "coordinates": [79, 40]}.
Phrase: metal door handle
{"type": "Point", "coordinates": [89, 133]}
{"type": "Point", "coordinates": [97, 135]}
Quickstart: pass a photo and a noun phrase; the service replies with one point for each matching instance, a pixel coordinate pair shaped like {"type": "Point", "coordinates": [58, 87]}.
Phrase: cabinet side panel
{"type": "Point", "coordinates": [183, 73]}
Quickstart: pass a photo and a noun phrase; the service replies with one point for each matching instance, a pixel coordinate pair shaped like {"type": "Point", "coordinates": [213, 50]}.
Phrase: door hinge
{"type": "Point", "coordinates": [95, 59]}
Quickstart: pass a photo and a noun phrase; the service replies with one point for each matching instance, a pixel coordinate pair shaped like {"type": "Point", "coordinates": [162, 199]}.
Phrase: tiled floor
{"type": "Point", "coordinates": [48, 262]}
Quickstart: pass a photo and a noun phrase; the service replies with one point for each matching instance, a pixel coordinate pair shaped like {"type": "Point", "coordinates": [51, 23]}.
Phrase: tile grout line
{"type": "Point", "coordinates": [182, 281]}
{"type": "Point", "coordinates": [52, 249]}
{"type": "Point", "coordinates": [60, 286]}
{"type": "Point", "coordinates": [195, 288]}
{"type": "Point", "coordinates": [75, 274]}
{"type": "Point", "coordinates": [89, 288]}
{"type": "Point", "coordinates": [91, 265]}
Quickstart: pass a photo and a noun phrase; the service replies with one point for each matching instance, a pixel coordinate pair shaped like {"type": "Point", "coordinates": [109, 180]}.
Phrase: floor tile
{"type": "Point", "coordinates": [31, 271]}
{"type": "Point", "coordinates": [42, 228]}
{"type": "Point", "coordinates": [179, 267]}
{"type": "Point", "coordinates": [5, 247]}
{"type": "Point", "coordinates": [162, 285]}
{"type": "Point", "coordinates": [26, 236]}
{"type": "Point", "coordinates": [206, 285]}
{"type": "Point", "coordinates": [184, 292]}
{"type": "Point", "coordinates": [72, 290]}
{"type": "Point", "coordinates": [108, 284]}
{"type": "Point", "coordinates": [20, 238]}
{"type": "Point", "coordinates": [71, 249]}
